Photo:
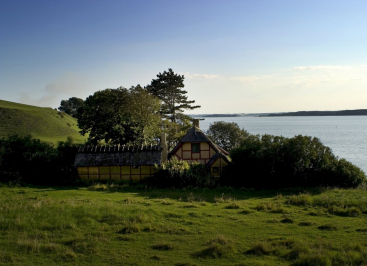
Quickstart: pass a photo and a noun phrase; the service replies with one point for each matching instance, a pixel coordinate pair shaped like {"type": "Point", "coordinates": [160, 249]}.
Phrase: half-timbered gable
{"type": "Point", "coordinates": [195, 146]}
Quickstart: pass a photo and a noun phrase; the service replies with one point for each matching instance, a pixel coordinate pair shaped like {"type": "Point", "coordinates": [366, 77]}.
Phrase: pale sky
{"type": "Point", "coordinates": [237, 56]}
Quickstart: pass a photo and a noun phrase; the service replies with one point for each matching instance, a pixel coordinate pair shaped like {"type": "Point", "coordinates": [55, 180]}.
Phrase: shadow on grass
{"type": "Point", "coordinates": [211, 195]}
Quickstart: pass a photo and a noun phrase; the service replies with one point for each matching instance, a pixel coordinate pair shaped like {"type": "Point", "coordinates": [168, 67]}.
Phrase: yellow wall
{"type": "Point", "coordinates": [186, 146]}
{"type": "Point", "coordinates": [93, 170]}
{"type": "Point", "coordinates": [135, 171]}
{"type": "Point", "coordinates": [204, 146]}
{"type": "Point", "coordinates": [212, 152]}
{"type": "Point", "coordinates": [125, 170]}
{"type": "Point", "coordinates": [115, 169]}
{"type": "Point", "coordinates": [186, 155]}
{"type": "Point", "coordinates": [195, 155]}
{"type": "Point", "coordinates": [115, 173]}
{"type": "Point", "coordinates": [220, 164]}
{"type": "Point", "coordinates": [83, 170]}
{"type": "Point", "coordinates": [185, 152]}
{"type": "Point", "coordinates": [205, 154]}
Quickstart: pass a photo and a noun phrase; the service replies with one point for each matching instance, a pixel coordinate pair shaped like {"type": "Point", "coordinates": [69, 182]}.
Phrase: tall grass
{"type": "Point", "coordinates": [340, 202]}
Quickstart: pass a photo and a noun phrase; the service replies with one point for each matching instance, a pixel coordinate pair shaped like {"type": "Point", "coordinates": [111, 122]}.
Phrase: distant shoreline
{"type": "Point", "coordinates": [299, 113]}
{"type": "Point", "coordinates": [323, 113]}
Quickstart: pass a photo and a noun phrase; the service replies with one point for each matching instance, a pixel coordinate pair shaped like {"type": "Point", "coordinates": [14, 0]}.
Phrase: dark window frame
{"type": "Point", "coordinates": [195, 150]}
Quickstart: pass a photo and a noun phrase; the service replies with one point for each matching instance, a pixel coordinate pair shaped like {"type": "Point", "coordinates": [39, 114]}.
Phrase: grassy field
{"type": "Point", "coordinates": [115, 225]}
{"type": "Point", "coordinates": [46, 124]}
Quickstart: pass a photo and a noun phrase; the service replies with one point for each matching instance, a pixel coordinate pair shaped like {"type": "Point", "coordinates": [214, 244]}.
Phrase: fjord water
{"type": "Point", "coordinates": [345, 135]}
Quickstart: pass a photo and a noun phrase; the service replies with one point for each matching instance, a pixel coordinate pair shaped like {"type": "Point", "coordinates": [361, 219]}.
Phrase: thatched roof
{"type": "Point", "coordinates": [118, 155]}
{"type": "Point", "coordinates": [195, 135]}
{"type": "Point", "coordinates": [214, 158]}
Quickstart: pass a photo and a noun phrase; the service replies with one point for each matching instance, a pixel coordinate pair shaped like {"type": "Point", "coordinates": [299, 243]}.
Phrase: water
{"type": "Point", "coordinates": [345, 135]}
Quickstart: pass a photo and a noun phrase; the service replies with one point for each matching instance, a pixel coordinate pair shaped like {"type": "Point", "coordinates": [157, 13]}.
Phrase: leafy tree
{"type": "Point", "coordinates": [176, 130]}
{"type": "Point", "coordinates": [227, 135]}
{"type": "Point", "coordinates": [120, 116]}
{"type": "Point", "coordinates": [278, 162]}
{"type": "Point", "coordinates": [71, 106]}
{"type": "Point", "coordinates": [143, 108]}
{"type": "Point", "coordinates": [168, 88]}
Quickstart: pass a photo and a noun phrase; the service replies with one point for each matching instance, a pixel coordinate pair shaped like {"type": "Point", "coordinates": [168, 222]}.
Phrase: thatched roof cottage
{"type": "Point", "coordinates": [137, 162]}
{"type": "Point", "coordinates": [195, 146]}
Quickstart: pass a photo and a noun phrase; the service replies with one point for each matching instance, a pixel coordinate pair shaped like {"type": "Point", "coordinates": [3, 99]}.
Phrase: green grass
{"type": "Point", "coordinates": [46, 124]}
{"type": "Point", "coordinates": [119, 225]}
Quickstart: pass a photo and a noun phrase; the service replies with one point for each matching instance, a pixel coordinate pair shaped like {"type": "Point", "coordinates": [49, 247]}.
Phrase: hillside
{"type": "Point", "coordinates": [46, 124]}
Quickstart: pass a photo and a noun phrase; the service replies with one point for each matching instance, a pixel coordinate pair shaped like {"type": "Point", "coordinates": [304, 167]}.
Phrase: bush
{"type": "Point", "coordinates": [36, 162]}
{"type": "Point", "coordinates": [177, 173]}
{"type": "Point", "coordinates": [278, 162]}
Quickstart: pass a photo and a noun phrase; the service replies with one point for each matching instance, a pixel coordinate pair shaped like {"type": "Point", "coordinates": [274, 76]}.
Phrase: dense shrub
{"type": "Point", "coordinates": [177, 173]}
{"type": "Point", "coordinates": [278, 162]}
{"type": "Point", "coordinates": [32, 161]}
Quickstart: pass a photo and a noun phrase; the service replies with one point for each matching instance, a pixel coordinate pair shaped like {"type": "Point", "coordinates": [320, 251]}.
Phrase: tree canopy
{"type": "Point", "coordinates": [227, 135]}
{"type": "Point", "coordinates": [278, 162]}
{"type": "Point", "coordinates": [71, 106]}
{"type": "Point", "coordinates": [176, 130]}
{"type": "Point", "coordinates": [168, 88]}
{"type": "Point", "coordinates": [120, 116]}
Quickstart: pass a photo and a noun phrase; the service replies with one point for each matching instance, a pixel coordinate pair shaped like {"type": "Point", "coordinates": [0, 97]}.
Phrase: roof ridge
{"type": "Point", "coordinates": [118, 148]}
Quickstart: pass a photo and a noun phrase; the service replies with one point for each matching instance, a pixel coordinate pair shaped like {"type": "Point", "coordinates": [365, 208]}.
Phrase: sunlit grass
{"type": "Point", "coordinates": [110, 224]}
{"type": "Point", "coordinates": [42, 123]}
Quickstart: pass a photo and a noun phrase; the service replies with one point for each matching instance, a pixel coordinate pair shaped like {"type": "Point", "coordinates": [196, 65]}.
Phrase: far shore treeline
{"type": "Point", "coordinates": [139, 115]}
{"type": "Point", "coordinates": [322, 113]}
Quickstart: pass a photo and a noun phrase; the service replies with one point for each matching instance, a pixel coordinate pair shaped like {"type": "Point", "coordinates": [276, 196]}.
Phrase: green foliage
{"type": "Point", "coordinates": [143, 109]}
{"type": "Point", "coordinates": [170, 173]}
{"type": "Point", "coordinates": [167, 87]}
{"type": "Point", "coordinates": [120, 116]}
{"type": "Point", "coordinates": [178, 173]}
{"type": "Point", "coordinates": [277, 162]}
{"type": "Point", "coordinates": [71, 106]}
{"type": "Point", "coordinates": [227, 135]}
{"type": "Point", "coordinates": [176, 130]}
{"type": "Point", "coordinates": [28, 160]}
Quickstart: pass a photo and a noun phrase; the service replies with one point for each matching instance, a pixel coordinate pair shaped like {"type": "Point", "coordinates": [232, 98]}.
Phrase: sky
{"type": "Point", "coordinates": [244, 56]}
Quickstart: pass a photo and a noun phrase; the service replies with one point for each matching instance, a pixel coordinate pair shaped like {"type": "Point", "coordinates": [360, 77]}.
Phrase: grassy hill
{"type": "Point", "coordinates": [46, 124]}
{"type": "Point", "coordinates": [118, 225]}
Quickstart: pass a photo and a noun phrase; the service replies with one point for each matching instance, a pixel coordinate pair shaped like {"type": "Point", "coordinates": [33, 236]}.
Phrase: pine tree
{"type": "Point", "coordinates": [168, 88]}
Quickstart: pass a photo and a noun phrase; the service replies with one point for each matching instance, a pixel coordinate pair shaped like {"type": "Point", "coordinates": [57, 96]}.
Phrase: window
{"type": "Point", "coordinates": [215, 169]}
{"type": "Point", "coordinates": [195, 147]}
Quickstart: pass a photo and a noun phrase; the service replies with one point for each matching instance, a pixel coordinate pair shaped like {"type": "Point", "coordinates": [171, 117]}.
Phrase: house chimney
{"type": "Point", "coordinates": [164, 147]}
{"type": "Point", "coordinates": [196, 123]}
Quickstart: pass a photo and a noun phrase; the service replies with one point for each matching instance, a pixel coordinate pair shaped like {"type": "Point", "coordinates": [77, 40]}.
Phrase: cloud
{"type": "Point", "coordinates": [200, 76]}
{"type": "Point", "coordinates": [329, 67]}
{"type": "Point", "coordinates": [245, 79]}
